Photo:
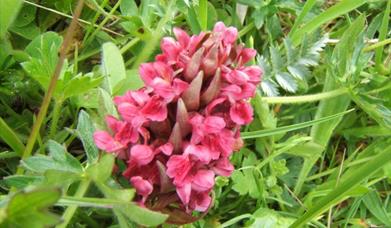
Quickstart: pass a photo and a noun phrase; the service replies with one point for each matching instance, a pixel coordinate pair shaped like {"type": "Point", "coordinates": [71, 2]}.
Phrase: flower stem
{"type": "Point", "coordinates": [55, 117]}
{"type": "Point", "coordinates": [70, 211]}
{"type": "Point", "coordinates": [305, 98]}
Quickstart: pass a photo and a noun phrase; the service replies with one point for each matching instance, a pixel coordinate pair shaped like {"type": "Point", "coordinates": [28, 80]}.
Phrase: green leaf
{"type": "Point", "coordinates": [30, 209]}
{"type": "Point", "coordinates": [59, 153]}
{"type": "Point", "coordinates": [264, 218]}
{"type": "Point", "coordinates": [132, 81]}
{"type": "Point", "coordinates": [59, 160]}
{"type": "Point", "coordinates": [113, 67]}
{"type": "Point", "coordinates": [374, 204]}
{"type": "Point", "coordinates": [85, 131]}
{"type": "Point", "coordinates": [22, 181]}
{"type": "Point", "coordinates": [102, 170]}
{"type": "Point", "coordinates": [335, 11]}
{"type": "Point", "coordinates": [10, 137]}
{"type": "Point", "coordinates": [143, 216]}
{"type": "Point", "coordinates": [8, 11]}
{"type": "Point", "coordinates": [351, 180]}
{"type": "Point", "coordinates": [25, 16]}
{"type": "Point", "coordinates": [80, 85]}
{"type": "Point", "coordinates": [246, 181]}
{"type": "Point", "coordinates": [44, 56]}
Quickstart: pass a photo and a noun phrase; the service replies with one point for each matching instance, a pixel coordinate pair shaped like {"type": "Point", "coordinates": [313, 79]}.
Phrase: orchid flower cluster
{"type": "Point", "coordinates": [178, 131]}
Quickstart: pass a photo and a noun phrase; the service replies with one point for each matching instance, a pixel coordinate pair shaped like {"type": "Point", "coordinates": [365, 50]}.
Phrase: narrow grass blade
{"type": "Point", "coordinates": [306, 9]}
{"type": "Point", "coordinates": [382, 35]}
{"type": "Point", "coordinates": [10, 138]}
{"type": "Point", "coordinates": [337, 195]}
{"type": "Point", "coordinates": [269, 132]}
{"type": "Point", "coordinates": [337, 10]}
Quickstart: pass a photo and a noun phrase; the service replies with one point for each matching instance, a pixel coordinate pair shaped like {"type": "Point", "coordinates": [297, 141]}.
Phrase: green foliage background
{"type": "Point", "coordinates": [316, 155]}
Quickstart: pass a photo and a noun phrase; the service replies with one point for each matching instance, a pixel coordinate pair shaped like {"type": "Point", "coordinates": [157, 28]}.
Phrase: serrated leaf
{"type": "Point", "coordinates": [44, 56]}
{"type": "Point", "coordinates": [245, 180]}
{"type": "Point", "coordinates": [85, 131]}
{"type": "Point", "coordinates": [30, 209]}
{"type": "Point", "coordinates": [286, 82]}
{"type": "Point", "coordinates": [269, 88]}
{"type": "Point", "coordinates": [276, 59]}
{"type": "Point", "coordinates": [298, 71]}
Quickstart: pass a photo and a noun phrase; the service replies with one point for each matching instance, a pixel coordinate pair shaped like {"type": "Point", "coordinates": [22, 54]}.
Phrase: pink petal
{"type": "Point", "coordinates": [213, 124]}
{"type": "Point", "coordinates": [113, 123]}
{"type": "Point", "coordinates": [178, 167]}
{"type": "Point", "coordinates": [182, 37]}
{"type": "Point", "coordinates": [170, 47]}
{"type": "Point", "coordinates": [106, 142]}
{"type": "Point", "coordinates": [142, 154]}
{"type": "Point", "coordinates": [223, 167]}
{"type": "Point", "coordinates": [202, 153]}
{"type": "Point", "coordinates": [147, 72]}
{"type": "Point", "coordinates": [203, 180]}
{"type": "Point", "coordinates": [241, 113]}
{"type": "Point", "coordinates": [166, 149]}
{"type": "Point", "coordinates": [143, 187]}
{"type": "Point", "coordinates": [184, 193]}
{"type": "Point", "coordinates": [230, 35]}
{"type": "Point", "coordinates": [179, 86]}
{"type": "Point", "coordinates": [128, 111]}
{"type": "Point", "coordinates": [155, 109]}
{"type": "Point", "coordinates": [254, 73]}
{"type": "Point", "coordinates": [201, 201]}
{"type": "Point", "coordinates": [247, 54]}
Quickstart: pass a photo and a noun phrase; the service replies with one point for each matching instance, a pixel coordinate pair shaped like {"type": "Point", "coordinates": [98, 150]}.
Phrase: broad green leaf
{"type": "Point", "coordinates": [106, 104]}
{"type": "Point", "coordinates": [60, 178]}
{"type": "Point", "coordinates": [59, 160]}
{"type": "Point", "coordinates": [59, 153]}
{"type": "Point", "coordinates": [30, 209]}
{"type": "Point", "coordinates": [101, 170]}
{"type": "Point", "coordinates": [22, 181]}
{"type": "Point", "coordinates": [8, 12]}
{"type": "Point", "coordinates": [85, 131]}
{"type": "Point", "coordinates": [132, 81]}
{"type": "Point", "coordinates": [80, 85]}
{"type": "Point", "coordinates": [265, 218]}
{"type": "Point", "coordinates": [113, 67]}
{"type": "Point", "coordinates": [25, 16]}
{"type": "Point", "coordinates": [143, 216]}
{"type": "Point", "coordinates": [129, 8]}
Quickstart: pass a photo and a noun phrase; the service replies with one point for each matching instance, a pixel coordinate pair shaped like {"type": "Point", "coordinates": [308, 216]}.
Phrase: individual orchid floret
{"type": "Point", "coordinates": [177, 133]}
